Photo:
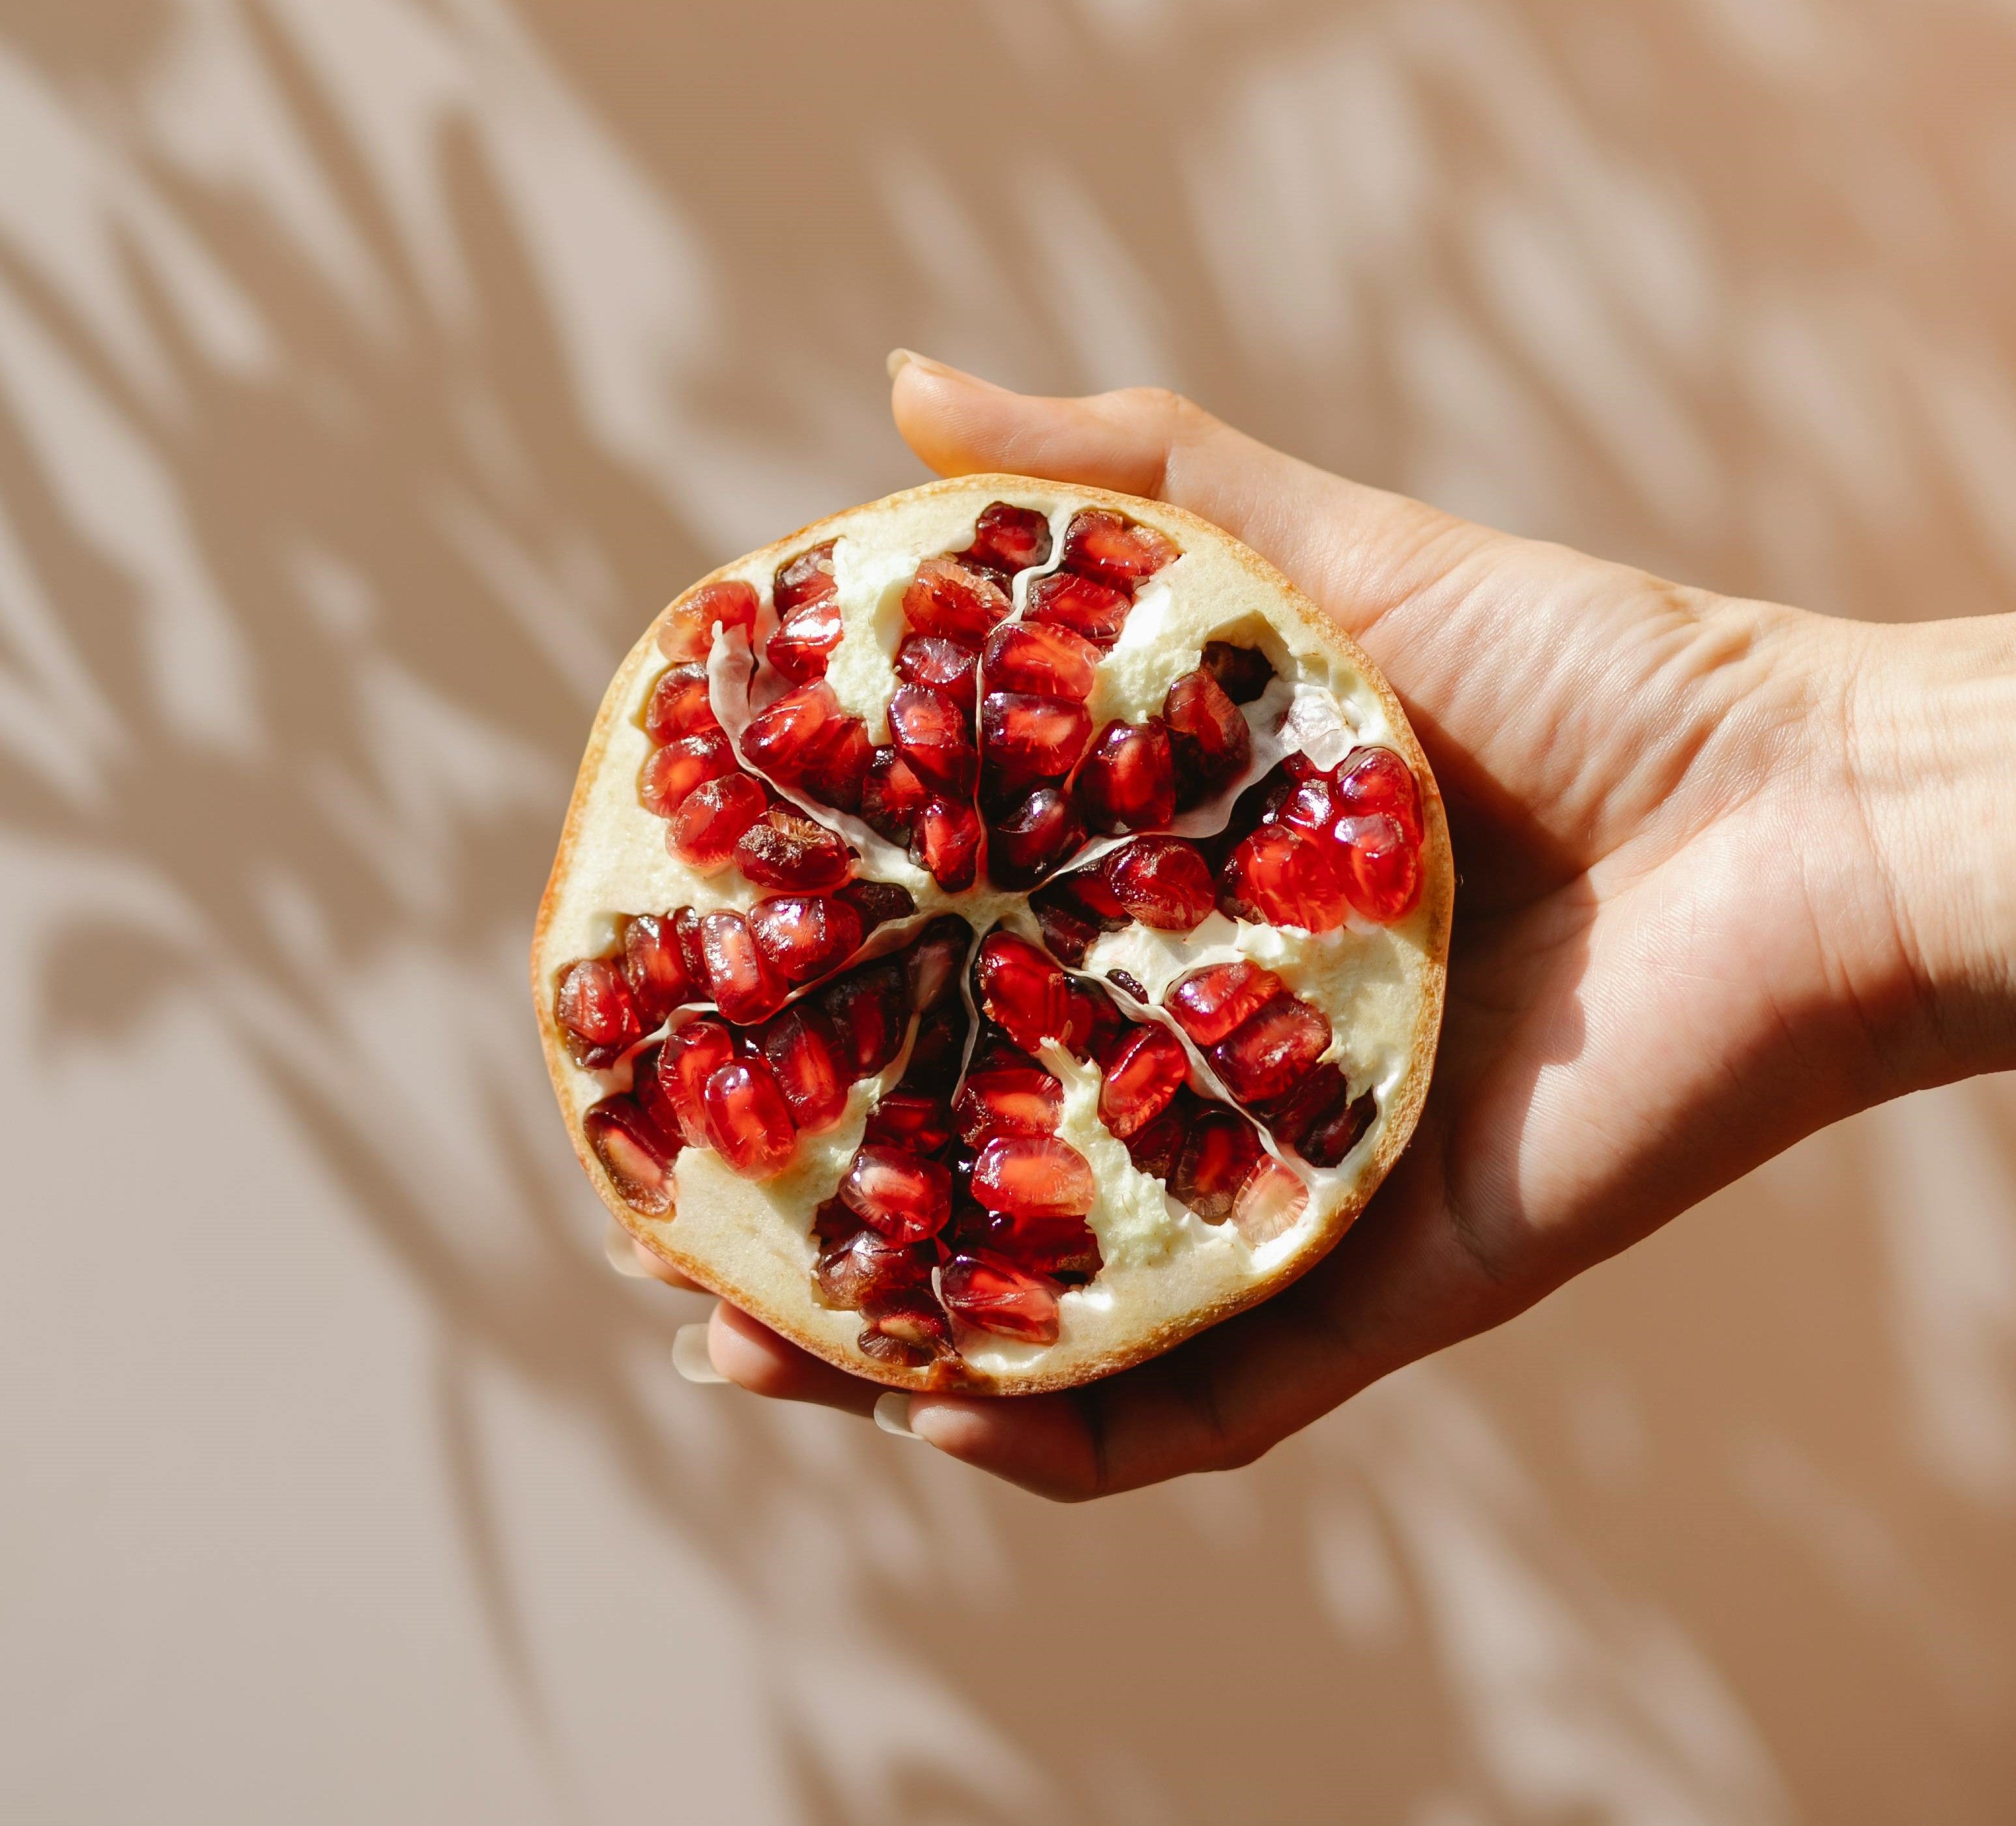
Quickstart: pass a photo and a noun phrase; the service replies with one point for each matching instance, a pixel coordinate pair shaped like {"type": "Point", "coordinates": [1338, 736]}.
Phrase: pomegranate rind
{"type": "Point", "coordinates": [750, 1241]}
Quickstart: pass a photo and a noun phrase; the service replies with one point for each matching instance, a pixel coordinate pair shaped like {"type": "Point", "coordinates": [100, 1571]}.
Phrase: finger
{"type": "Point", "coordinates": [634, 1262]}
{"type": "Point", "coordinates": [752, 1356]}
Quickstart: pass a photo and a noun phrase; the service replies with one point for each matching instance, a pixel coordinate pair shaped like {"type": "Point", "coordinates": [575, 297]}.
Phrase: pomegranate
{"type": "Point", "coordinates": [998, 1027]}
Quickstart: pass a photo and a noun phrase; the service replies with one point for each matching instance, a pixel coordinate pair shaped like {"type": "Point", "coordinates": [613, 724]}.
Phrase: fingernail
{"type": "Point", "coordinates": [899, 359]}
{"type": "Point", "coordinates": [892, 1413]}
{"type": "Point", "coordinates": [616, 1244]}
{"type": "Point", "coordinates": [690, 1356]}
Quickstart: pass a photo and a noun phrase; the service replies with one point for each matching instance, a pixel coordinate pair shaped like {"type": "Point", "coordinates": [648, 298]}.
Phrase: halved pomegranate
{"type": "Point", "coordinates": [996, 1033]}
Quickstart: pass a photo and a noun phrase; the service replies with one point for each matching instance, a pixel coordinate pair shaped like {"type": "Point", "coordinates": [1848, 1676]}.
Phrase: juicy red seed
{"type": "Point", "coordinates": [1095, 610]}
{"type": "Point", "coordinates": [653, 968]}
{"type": "Point", "coordinates": [936, 958]}
{"type": "Point", "coordinates": [1266, 1054]}
{"type": "Point", "coordinates": [1163, 881]}
{"type": "Point", "coordinates": [650, 1091]}
{"type": "Point", "coordinates": [1220, 1149]}
{"type": "Point", "coordinates": [1313, 1103]}
{"type": "Point", "coordinates": [878, 902]}
{"type": "Point", "coordinates": [939, 665]}
{"type": "Point", "coordinates": [1269, 1202]}
{"type": "Point", "coordinates": [837, 772]}
{"type": "Point", "coordinates": [680, 705]}
{"type": "Point", "coordinates": [636, 1154]}
{"type": "Point", "coordinates": [1069, 926]}
{"type": "Point", "coordinates": [1108, 1026]}
{"type": "Point", "coordinates": [703, 832]}
{"type": "Point", "coordinates": [867, 1266]}
{"type": "Point", "coordinates": [596, 1014]}
{"type": "Point", "coordinates": [1128, 781]}
{"type": "Point", "coordinates": [1061, 1249]}
{"type": "Point", "coordinates": [1033, 656]}
{"type": "Point", "coordinates": [947, 842]}
{"type": "Point", "coordinates": [690, 1056]}
{"type": "Point", "coordinates": [1044, 831]}
{"type": "Point", "coordinates": [805, 641]}
{"type": "Point", "coordinates": [905, 1326]}
{"type": "Point", "coordinates": [676, 769]}
{"type": "Point", "coordinates": [788, 736]}
{"type": "Point", "coordinates": [804, 936]}
{"type": "Point", "coordinates": [991, 1292]}
{"type": "Point", "coordinates": [804, 1053]}
{"type": "Point", "coordinates": [745, 988]}
{"type": "Point", "coordinates": [1126, 980]}
{"type": "Point", "coordinates": [1278, 877]}
{"type": "Point", "coordinates": [905, 1197]}
{"type": "Point", "coordinates": [1209, 1003]}
{"type": "Point", "coordinates": [1023, 991]}
{"type": "Point", "coordinates": [687, 631]}
{"type": "Point", "coordinates": [806, 579]}
{"type": "Point", "coordinates": [748, 1121]}
{"type": "Point", "coordinates": [1031, 739]}
{"type": "Point", "coordinates": [1381, 866]}
{"type": "Point", "coordinates": [1009, 1100]}
{"type": "Point", "coordinates": [1209, 738]}
{"type": "Point", "coordinates": [784, 849]}
{"type": "Point", "coordinates": [1309, 807]}
{"type": "Point", "coordinates": [867, 1007]}
{"type": "Point", "coordinates": [892, 796]}
{"type": "Point", "coordinates": [1242, 673]}
{"type": "Point", "coordinates": [1148, 1068]}
{"type": "Point", "coordinates": [955, 600]}
{"type": "Point", "coordinates": [935, 736]}
{"type": "Point", "coordinates": [1033, 1177]}
{"type": "Point", "coordinates": [936, 1051]}
{"type": "Point", "coordinates": [1010, 538]}
{"type": "Point", "coordinates": [1329, 1141]}
{"type": "Point", "coordinates": [1376, 780]}
{"type": "Point", "coordinates": [1154, 1147]}
{"type": "Point", "coordinates": [1101, 543]}
{"type": "Point", "coordinates": [913, 1121]}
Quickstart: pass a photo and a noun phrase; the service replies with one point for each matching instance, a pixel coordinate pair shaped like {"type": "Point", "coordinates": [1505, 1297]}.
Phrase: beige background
{"type": "Point", "coordinates": [369, 368]}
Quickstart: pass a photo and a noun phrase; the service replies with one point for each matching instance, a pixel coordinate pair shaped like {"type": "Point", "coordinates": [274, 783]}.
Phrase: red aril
{"type": "Point", "coordinates": [803, 643]}
{"type": "Point", "coordinates": [946, 840]}
{"type": "Point", "coordinates": [1209, 1003]}
{"type": "Point", "coordinates": [955, 600]}
{"type": "Point", "coordinates": [992, 1293]}
{"type": "Point", "coordinates": [1058, 1248]}
{"type": "Point", "coordinates": [803, 581]}
{"type": "Point", "coordinates": [685, 931]}
{"type": "Point", "coordinates": [676, 769]}
{"type": "Point", "coordinates": [680, 705]}
{"type": "Point", "coordinates": [891, 795]}
{"type": "Point", "coordinates": [1128, 781]}
{"type": "Point", "coordinates": [1155, 1147]}
{"type": "Point", "coordinates": [635, 1153]}
{"type": "Point", "coordinates": [1043, 831]}
{"type": "Point", "coordinates": [748, 1123]}
{"type": "Point", "coordinates": [935, 958]}
{"type": "Point", "coordinates": [690, 1056]}
{"type": "Point", "coordinates": [687, 632]}
{"type": "Point", "coordinates": [1219, 1150]}
{"type": "Point", "coordinates": [1242, 673]}
{"type": "Point", "coordinates": [905, 1326]}
{"type": "Point", "coordinates": [1033, 1177]}
{"type": "Point", "coordinates": [1163, 881]}
{"type": "Point", "coordinates": [1376, 780]}
{"type": "Point", "coordinates": [1114, 549]}
{"type": "Point", "coordinates": [1267, 1052]}
{"type": "Point", "coordinates": [1095, 610]}
{"type": "Point", "coordinates": [804, 936]}
{"type": "Point", "coordinates": [1069, 926]}
{"type": "Point", "coordinates": [935, 737]}
{"type": "Point", "coordinates": [878, 902]}
{"type": "Point", "coordinates": [784, 849]}
{"type": "Point", "coordinates": [1009, 1100]}
{"type": "Point", "coordinates": [1030, 656]}
{"type": "Point", "coordinates": [1009, 539]}
{"type": "Point", "coordinates": [1278, 877]}
{"type": "Point", "coordinates": [905, 1197]}
{"type": "Point", "coordinates": [711, 819]}
{"type": "Point", "coordinates": [1027, 739]}
{"type": "Point", "coordinates": [1209, 738]}
{"type": "Point", "coordinates": [914, 1121]}
{"type": "Point", "coordinates": [744, 987]}
{"type": "Point", "coordinates": [1380, 865]}
{"type": "Point", "coordinates": [867, 1266]}
{"type": "Point", "coordinates": [942, 665]}
{"type": "Point", "coordinates": [867, 1007]}
{"type": "Point", "coordinates": [786, 740]}
{"type": "Point", "coordinates": [596, 1014]}
{"type": "Point", "coordinates": [1022, 991]}
{"type": "Point", "coordinates": [1147, 1071]}
{"type": "Point", "coordinates": [1308, 807]}
{"type": "Point", "coordinates": [803, 1054]}
{"type": "Point", "coordinates": [654, 971]}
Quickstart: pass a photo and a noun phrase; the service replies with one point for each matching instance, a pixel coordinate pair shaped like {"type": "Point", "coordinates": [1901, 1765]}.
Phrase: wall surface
{"type": "Point", "coordinates": [369, 371]}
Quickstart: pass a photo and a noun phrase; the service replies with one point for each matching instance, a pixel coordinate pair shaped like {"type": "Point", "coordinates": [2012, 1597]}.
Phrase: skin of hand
{"type": "Point", "coordinates": [1728, 871]}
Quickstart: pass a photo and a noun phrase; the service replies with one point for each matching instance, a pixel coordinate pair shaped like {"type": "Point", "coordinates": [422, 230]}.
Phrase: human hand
{"type": "Point", "coordinates": [1706, 909]}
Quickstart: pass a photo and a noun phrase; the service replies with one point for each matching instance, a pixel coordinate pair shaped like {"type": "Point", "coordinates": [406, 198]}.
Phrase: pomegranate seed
{"type": "Point", "coordinates": [1309, 808]}
{"type": "Point", "coordinates": [1009, 1100]}
{"type": "Point", "coordinates": [637, 1156]}
{"type": "Point", "coordinates": [787, 738]}
{"type": "Point", "coordinates": [1009, 538]}
{"type": "Point", "coordinates": [676, 769]}
{"type": "Point", "coordinates": [1033, 1177]}
{"type": "Point", "coordinates": [680, 705]}
{"type": "Point", "coordinates": [939, 665]}
{"type": "Point", "coordinates": [804, 936]}
{"type": "Point", "coordinates": [991, 1292]}
{"type": "Point", "coordinates": [1163, 881]}
{"type": "Point", "coordinates": [1095, 610]}
{"type": "Point", "coordinates": [1069, 926]}
{"type": "Point", "coordinates": [1155, 1146]}
{"type": "Point", "coordinates": [711, 821]}
{"type": "Point", "coordinates": [804, 1053]}
{"type": "Point", "coordinates": [840, 769]}
{"type": "Point", "coordinates": [935, 737]}
{"type": "Point", "coordinates": [878, 902]}
{"type": "Point", "coordinates": [954, 601]}
{"type": "Point", "coordinates": [906, 1325]}
{"type": "Point", "coordinates": [947, 843]}
{"type": "Point", "coordinates": [1101, 543]}
{"type": "Point", "coordinates": [1376, 780]}
{"type": "Point", "coordinates": [748, 1121]}
{"type": "Point", "coordinates": [647, 1086]}
{"type": "Point", "coordinates": [892, 796]}
{"type": "Point", "coordinates": [1032, 656]}
{"type": "Point", "coordinates": [1267, 1052]}
{"type": "Point", "coordinates": [1149, 1068]}
{"type": "Point", "coordinates": [936, 957]}
{"type": "Point", "coordinates": [935, 1053]}
{"type": "Point", "coordinates": [690, 1056]}
{"type": "Point", "coordinates": [746, 989]}
{"type": "Point", "coordinates": [804, 642]}
{"type": "Point", "coordinates": [1128, 781]}
{"type": "Point", "coordinates": [1220, 1149]}
{"type": "Point", "coordinates": [1329, 1141]}
{"type": "Point", "coordinates": [1268, 1203]}
{"type": "Point", "coordinates": [784, 849]}
{"type": "Point", "coordinates": [1242, 673]}
{"type": "Point", "coordinates": [1313, 1106]}
{"type": "Point", "coordinates": [1209, 738]}
{"type": "Point", "coordinates": [803, 581]}
{"type": "Point", "coordinates": [1029, 739]}
{"type": "Point", "coordinates": [685, 929]}
{"type": "Point", "coordinates": [913, 1121]}
{"type": "Point", "coordinates": [687, 633]}
{"type": "Point", "coordinates": [654, 969]}
{"type": "Point", "coordinates": [1023, 991]}
{"type": "Point", "coordinates": [1060, 1249]}
{"type": "Point", "coordinates": [1209, 1003]}
{"type": "Point", "coordinates": [1278, 877]}
{"type": "Point", "coordinates": [1381, 866]}
{"type": "Point", "coordinates": [1104, 1027]}
{"type": "Point", "coordinates": [832, 1223]}
{"type": "Point", "coordinates": [867, 1266]}
{"type": "Point", "coordinates": [1033, 839]}
{"type": "Point", "coordinates": [904, 1197]}
{"type": "Point", "coordinates": [596, 1014]}
{"type": "Point", "coordinates": [867, 1006]}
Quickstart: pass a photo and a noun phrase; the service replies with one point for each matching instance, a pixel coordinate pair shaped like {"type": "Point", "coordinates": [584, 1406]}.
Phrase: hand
{"type": "Point", "coordinates": [1681, 821]}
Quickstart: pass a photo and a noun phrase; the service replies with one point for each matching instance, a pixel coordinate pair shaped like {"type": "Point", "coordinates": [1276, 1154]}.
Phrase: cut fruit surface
{"type": "Point", "coordinates": [954, 958]}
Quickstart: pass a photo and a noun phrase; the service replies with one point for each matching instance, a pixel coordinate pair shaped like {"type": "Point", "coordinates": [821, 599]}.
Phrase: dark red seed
{"type": "Point", "coordinates": [914, 1121]}
{"type": "Point", "coordinates": [935, 736]}
{"type": "Point", "coordinates": [804, 1053]}
{"type": "Point", "coordinates": [786, 740]}
{"type": "Point", "coordinates": [648, 1088]}
{"type": "Point", "coordinates": [676, 769]}
{"type": "Point", "coordinates": [1033, 1177]}
{"type": "Point", "coordinates": [1267, 1052]}
{"type": "Point", "coordinates": [878, 902]}
{"type": "Point", "coordinates": [1163, 881]}
{"type": "Point", "coordinates": [703, 832]}
{"type": "Point", "coordinates": [955, 600]}
{"type": "Point", "coordinates": [1209, 1003]}
{"type": "Point", "coordinates": [1099, 543]}
{"type": "Point", "coordinates": [1029, 739]}
{"type": "Point", "coordinates": [1373, 780]}
{"type": "Point", "coordinates": [687, 632]}
{"type": "Point", "coordinates": [992, 1293]}
{"type": "Point", "coordinates": [1060, 1249]}
{"type": "Point", "coordinates": [636, 1154]}
{"type": "Point", "coordinates": [936, 1051]}
{"type": "Point", "coordinates": [892, 796]}
{"type": "Point", "coordinates": [1209, 737]}
{"type": "Point", "coordinates": [867, 1266]}
{"type": "Point", "coordinates": [690, 1056]}
{"type": "Point", "coordinates": [803, 580]}
{"type": "Point", "coordinates": [1220, 1150]}
{"type": "Point", "coordinates": [745, 988]}
{"type": "Point", "coordinates": [804, 936]}
{"type": "Point", "coordinates": [1034, 657]}
{"type": "Point", "coordinates": [1009, 538]}
{"type": "Point", "coordinates": [1278, 877]}
{"type": "Point", "coordinates": [868, 1007]}
{"type": "Point", "coordinates": [1008, 1100]}
{"type": "Point", "coordinates": [804, 642]}
{"type": "Point", "coordinates": [837, 772]}
{"type": "Point", "coordinates": [1126, 980]}
{"type": "Point", "coordinates": [1380, 867]}
{"type": "Point", "coordinates": [1105, 1027]}
{"type": "Point", "coordinates": [905, 1326]}
{"type": "Point", "coordinates": [940, 665]}
{"type": "Point", "coordinates": [1128, 781]}
{"type": "Point", "coordinates": [1242, 673]}
{"type": "Point", "coordinates": [946, 841]}
{"type": "Point", "coordinates": [685, 929]}
{"type": "Point", "coordinates": [1042, 833]}
{"type": "Point", "coordinates": [1095, 610]}
{"type": "Point", "coordinates": [1148, 1068]}
{"type": "Point", "coordinates": [596, 1013]}
{"type": "Point", "coordinates": [1155, 1146]}
{"type": "Point", "coordinates": [1312, 1102]}
{"type": "Point", "coordinates": [1023, 991]}
{"type": "Point", "coordinates": [1329, 1141]}
{"type": "Point", "coordinates": [935, 958]}
{"type": "Point", "coordinates": [748, 1121]}
{"type": "Point", "coordinates": [1069, 927]}
{"type": "Point", "coordinates": [654, 970]}
{"type": "Point", "coordinates": [679, 704]}
{"type": "Point", "coordinates": [784, 849]}
{"type": "Point", "coordinates": [905, 1197]}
